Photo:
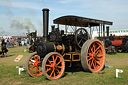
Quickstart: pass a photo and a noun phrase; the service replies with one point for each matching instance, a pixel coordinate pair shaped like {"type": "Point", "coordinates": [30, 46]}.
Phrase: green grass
{"type": "Point", "coordinates": [9, 72]}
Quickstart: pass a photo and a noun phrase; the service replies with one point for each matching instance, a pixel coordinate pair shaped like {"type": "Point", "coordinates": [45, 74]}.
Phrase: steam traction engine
{"type": "Point", "coordinates": [120, 44]}
{"type": "Point", "coordinates": [33, 41]}
{"type": "Point", "coordinates": [32, 44]}
{"type": "Point", "coordinates": [60, 48]}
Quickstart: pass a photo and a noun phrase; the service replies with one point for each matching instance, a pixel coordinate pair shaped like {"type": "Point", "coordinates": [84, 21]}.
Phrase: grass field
{"type": "Point", "coordinates": [9, 72]}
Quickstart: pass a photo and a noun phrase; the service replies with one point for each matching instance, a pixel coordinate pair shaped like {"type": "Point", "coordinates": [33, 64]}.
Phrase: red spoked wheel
{"type": "Point", "coordinates": [53, 66]}
{"type": "Point", "coordinates": [34, 65]}
{"type": "Point", "coordinates": [93, 56]}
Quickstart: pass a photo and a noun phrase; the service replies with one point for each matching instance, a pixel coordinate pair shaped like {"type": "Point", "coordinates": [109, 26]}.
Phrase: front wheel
{"type": "Point", "coordinates": [34, 65]}
{"type": "Point", "coordinates": [53, 66]}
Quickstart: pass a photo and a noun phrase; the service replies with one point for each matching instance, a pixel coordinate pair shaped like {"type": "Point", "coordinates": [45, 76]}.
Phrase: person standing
{"type": "Point", "coordinates": [27, 41]}
{"type": "Point", "coordinates": [3, 48]}
{"type": "Point", "coordinates": [11, 42]}
{"type": "Point", "coordinates": [7, 42]}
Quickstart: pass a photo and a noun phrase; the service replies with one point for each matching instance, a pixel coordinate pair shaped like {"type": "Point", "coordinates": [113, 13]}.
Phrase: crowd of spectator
{"type": "Point", "coordinates": [16, 42]}
{"type": "Point", "coordinates": [10, 42]}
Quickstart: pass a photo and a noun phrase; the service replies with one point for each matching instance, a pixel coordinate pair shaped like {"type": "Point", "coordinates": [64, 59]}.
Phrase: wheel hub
{"type": "Point", "coordinates": [95, 56]}
{"type": "Point", "coordinates": [37, 64]}
{"type": "Point", "coordinates": [55, 66]}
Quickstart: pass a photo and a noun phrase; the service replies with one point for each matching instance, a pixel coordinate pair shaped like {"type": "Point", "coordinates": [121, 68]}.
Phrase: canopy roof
{"type": "Point", "coordinates": [79, 21]}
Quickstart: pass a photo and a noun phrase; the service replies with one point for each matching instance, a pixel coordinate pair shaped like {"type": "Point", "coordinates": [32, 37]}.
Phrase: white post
{"type": "Point", "coordinates": [118, 71]}
{"type": "Point", "coordinates": [20, 69]}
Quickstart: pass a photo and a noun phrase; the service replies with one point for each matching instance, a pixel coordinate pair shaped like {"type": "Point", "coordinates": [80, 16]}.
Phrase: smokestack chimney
{"type": "Point", "coordinates": [45, 23]}
{"type": "Point", "coordinates": [53, 28]}
{"type": "Point", "coordinates": [107, 29]}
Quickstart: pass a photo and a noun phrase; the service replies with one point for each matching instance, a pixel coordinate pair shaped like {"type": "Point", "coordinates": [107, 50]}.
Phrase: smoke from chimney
{"type": "Point", "coordinates": [22, 24]}
{"type": "Point", "coordinates": [3, 32]}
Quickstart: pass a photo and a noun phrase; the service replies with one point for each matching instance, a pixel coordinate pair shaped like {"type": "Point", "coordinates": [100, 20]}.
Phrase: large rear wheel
{"type": "Point", "coordinates": [53, 65]}
{"type": "Point", "coordinates": [93, 56]}
{"type": "Point", "coordinates": [34, 65]}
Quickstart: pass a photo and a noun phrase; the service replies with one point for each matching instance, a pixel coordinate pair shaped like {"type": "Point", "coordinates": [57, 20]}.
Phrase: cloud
{"type": "Point", "coordinates": [98, 5]}
{"type": "Point", "coordinates": [67, 1]}
{"type": "Point", "coordinates": [19, 4]}
{"type": "Point", "coordinates": [110, 10]}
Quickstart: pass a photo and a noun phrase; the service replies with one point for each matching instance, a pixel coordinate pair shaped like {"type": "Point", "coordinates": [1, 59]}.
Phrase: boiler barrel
{"type": "Point", "coordinates": [44, 48]}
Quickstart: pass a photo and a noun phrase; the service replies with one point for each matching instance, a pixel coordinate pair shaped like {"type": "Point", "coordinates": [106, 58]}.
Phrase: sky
{"type": "Point", "coordinates": [19, 16]}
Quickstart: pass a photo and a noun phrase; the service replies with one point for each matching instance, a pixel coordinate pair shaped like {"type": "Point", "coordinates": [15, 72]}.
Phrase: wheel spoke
{"type": "Point", "coordinates": [94, 47]}
{"type": "Point", "coordinates": [48, 65]}
{"type": "Point", "coordinates": [98, 48]}
{"type": "Point", "coordinates": [37, 58]}
{"type": "Point", "coordinates": [80, 41]}
{"type": "Point", "coordinates": [95, 64]}
{"type": "Point", "coordinates": [60, 67]}
{"type": "Point", "coordinates": [31, 66]}
{"type": "Point", "coordinates": [97, 52]}
{"type": "Point", "coordinates": [31, 61]}
{"type": "Point", "coordinates": [89, 59]}
{"type": "Point", "coordinates": [91, 63]}
{"type": "Point", "coordinates": [97, 59]}
{"type": "Point", "coordinates": [89, 51]}
{"type": "Point", "coordinates": [58, 63]}
{"type": "Point", "coordinates": [53, 57]}
{"type": "Point", "coordinates": [98, 63]}
{"type": "Point", "coordinates": [85, 35]}
{"type": "Point", "coordinates": [38, 70]}
{"type": "Point", "coordinates": [81, 32]}
{"type": "Point", "coordinates": [92, 50]}
{"type": "Point", "coordinates": [49, 61]}
{"type": "Point", "coordinates": [83, 41]}
{"type": "Point", "coordinates": [34, 57]}
{"type": "Point", "coordinates": [52, 72]}
{"type": "Point", "coordinates": [32, 69]}
{"type": "Point", "coordinates": [83, 38]}
{"type": "Point", "coordinates": [48, 70]}
{"type": "Point", "coordinates": [100, 56]}
{"type": "Point", "coordinates": [58, 70]}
